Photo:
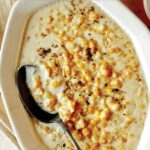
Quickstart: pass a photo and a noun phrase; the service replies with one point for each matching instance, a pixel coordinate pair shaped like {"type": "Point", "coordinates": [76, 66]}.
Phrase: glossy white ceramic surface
{"type": "Point", "coordinates": [147, 7]}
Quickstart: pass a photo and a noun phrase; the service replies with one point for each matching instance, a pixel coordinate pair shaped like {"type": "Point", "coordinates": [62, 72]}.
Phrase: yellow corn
{"type": "Point", "coordinates": [94, 16]}
{"type": "Point", "coordinates": [95, 138]}
{"type": "Point", "coordinates": [56, 83]}
{"type": "Point", "coordinates": [97, 113]}
{"type": "Point", "coordinates": [86, 132]}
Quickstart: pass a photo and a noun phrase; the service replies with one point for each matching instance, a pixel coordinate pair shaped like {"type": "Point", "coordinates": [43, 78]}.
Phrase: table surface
{"type": "Point", "coordinates": [5, 6]}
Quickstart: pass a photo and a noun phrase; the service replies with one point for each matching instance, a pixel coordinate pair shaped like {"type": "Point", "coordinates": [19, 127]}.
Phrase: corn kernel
{"type": "Point", "coordinates": [104, 141]}
{"type": "Point", "coordinates": [116, 84]}
{"type": "Point", "coordinates": [47, 129]}
{"type": "Point", "coordinates": [141, 106]}
{"type": "Point", "coordinates": [70, 148]}
{"type": "Point", "coordinates": [109, 148]}
{"type": "Point", "coordinates": [48, 94]}
{"type": "Point", "coordinates": [98, 92]}
{"type": "Point", "coordinates": [81, 66]}
{"type": "Point", "coordinates": [75, 27]}
{"type": "Point", "coordinates": [48, 30]}
{"type": "Point", "coordinates": [77, 135]}
{"type": "Point", "coordinates": [70, 46]}
{"type": "Point", "coordinates": [93, 16]}
{"type": "Point", "coordinates": [38, 84]}
{"type": "Point", "coordinates": [104, 137]}
{"type": "Point", "coordinates": [95, 146]}
{"type": "Point", "coordinates": [86, 132]}
{"type": "Point", "coordinates": [114, 75]}
{"type": "Point", "coordinates": [46, 102]}
{"type": "Point", "coordinates": [99, 55]}
{"type": "Point", "coordinates": [103, 27]}
{"type": "Point", "coordinates": [48, 70]}
{"type": "Point", "coordinates": [125, 102]}
{"type": "Point", "coordinates": [95, 138]}
{"type": "Point", "coordinates": [105, 114]}
{"type": "Point", "coordinates": [68, 19]}
{"type": "Point", "coordinates": [56, 83]}
{"type": "Point", "coordinates": [97, 113]}
{"type": "Point", "coordinates": [87, 75]}
{"type": "Point", "coordinates": [49, 20]}
{"type": "Point", "coordinates": [94, 121]}
{"type": "Point", "coordinates": [80, 19]}
{"type": "Point", "coordinates": [37, 78]}
{"type": "Point", "coordinates": [104, 123]}
{"type": "Point", "coordinates": [39, 92]}
{"type": "Point", "coordinates": [74, 119]}
{"type": "Point", "coordinates": [123, 140]}
{"type": "Point", "coordinates": [108, 90]}
{"type": "Point", "coordinates": [53, 102]}
{"type": "Point", "coordinates": [66, 38]}
{"type": "Point", "coordinates": [88, 78]}
{"type": "Point", "coordinates": [87, 146]}
{"type": "Point", "coordinates": [52, 98]}
{"type": "Point", "coordinates": [83, 43]}
{"type": "Point", "coordinates": [80, 124]}
{"type": "Point", "coordinates": [96, 129]}
{"type": "Point", "coordinates": [61, 34]}
{"type": "Point", "coordinates": [131, 136]}
{"type": "Point", "coordinates": [91, 110]}
{"type": "Point", "coordinates": [114, 106]}
{"type": "Point", "coordinates": [103, 70]}
{"type": "Point", "coordinates": [97, 81]}
{"type": "Point", "coordinates": [128, 122]}
{"type": "Point", "coordinates": [92, 44]}
{"type": "Point", "coordinates": [127, 44]}
{"type": "Point", "coordinates": [57, 106]}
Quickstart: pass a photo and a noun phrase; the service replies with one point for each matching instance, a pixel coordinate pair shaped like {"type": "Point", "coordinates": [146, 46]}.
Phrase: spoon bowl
{"type": "Point", "coordinates": [33, 108]}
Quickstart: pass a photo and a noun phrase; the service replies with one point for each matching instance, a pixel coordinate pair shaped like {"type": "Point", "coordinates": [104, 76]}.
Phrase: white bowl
{"type": "Point", "coordinates": [18, 117]}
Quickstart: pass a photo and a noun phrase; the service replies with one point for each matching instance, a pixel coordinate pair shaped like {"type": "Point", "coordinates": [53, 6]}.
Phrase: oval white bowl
{"type": "Point", "coordinates": [18, 117]}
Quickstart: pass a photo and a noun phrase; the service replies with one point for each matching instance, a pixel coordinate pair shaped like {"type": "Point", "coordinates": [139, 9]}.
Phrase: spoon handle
{"type": "Point", "coordinates": [75, 144]}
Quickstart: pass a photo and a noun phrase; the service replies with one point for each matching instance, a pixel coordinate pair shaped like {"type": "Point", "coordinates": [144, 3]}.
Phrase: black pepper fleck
{"type": "Point", "coordinates": [43, 52]}
{"type": "Point", "coordinates": [43, 35]}
{"type": "Point", "coordinates": [64, 145]}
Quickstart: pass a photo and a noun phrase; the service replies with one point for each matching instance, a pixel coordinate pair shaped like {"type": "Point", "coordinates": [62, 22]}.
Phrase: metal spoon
{"type": "Point", "coordinates": [33, 108]}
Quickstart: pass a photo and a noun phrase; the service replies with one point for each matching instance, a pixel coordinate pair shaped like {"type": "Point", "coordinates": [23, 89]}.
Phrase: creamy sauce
{"type": "Point", "coordinates": [89, 73]}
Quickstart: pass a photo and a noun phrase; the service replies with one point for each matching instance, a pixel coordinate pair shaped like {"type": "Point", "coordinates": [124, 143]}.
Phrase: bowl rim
{"type": "Point", "coordinates": [147, 7]}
